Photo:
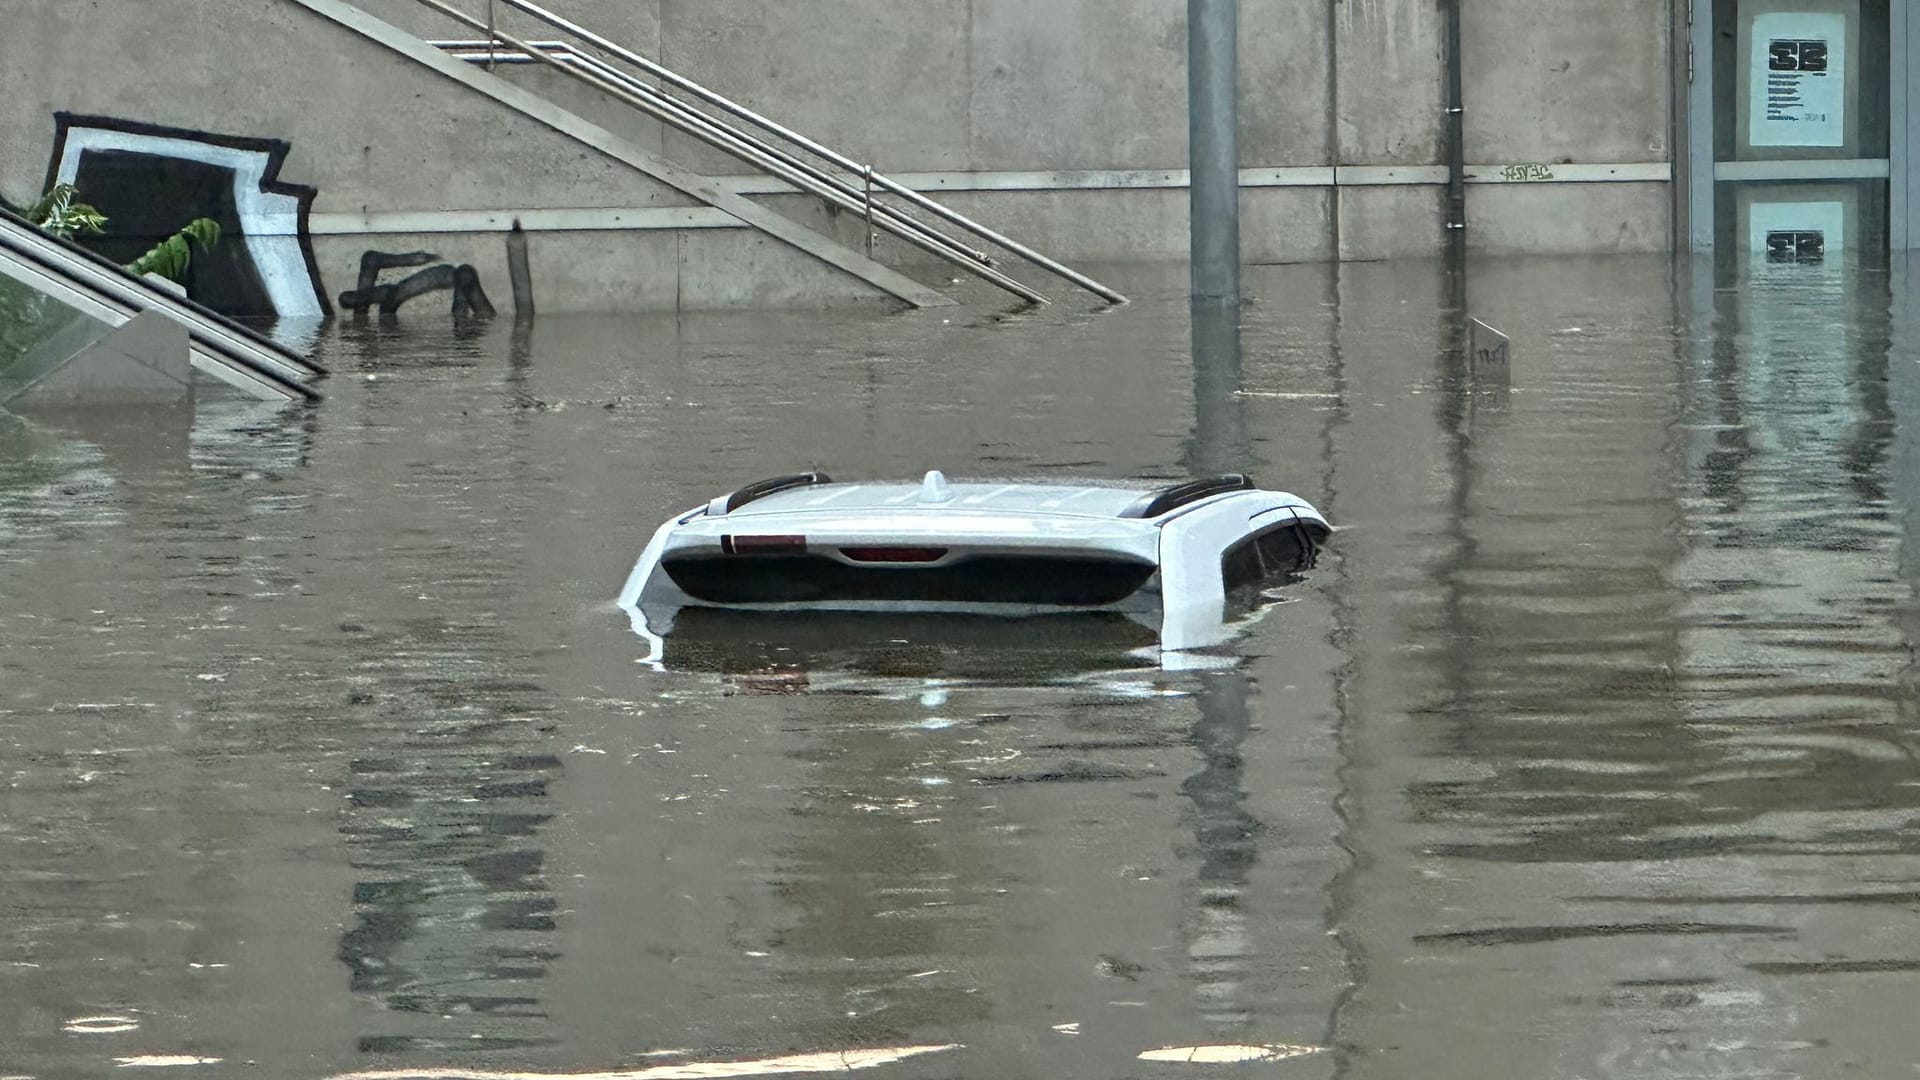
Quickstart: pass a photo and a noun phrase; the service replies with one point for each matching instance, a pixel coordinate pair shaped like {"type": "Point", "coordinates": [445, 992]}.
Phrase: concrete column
{"type": "Point", "coordinates": [1213, 152]}
{"type": "Point", "coordinates": [1700, 130]}
{"type": "Point", "coordinates": [1904, 129]}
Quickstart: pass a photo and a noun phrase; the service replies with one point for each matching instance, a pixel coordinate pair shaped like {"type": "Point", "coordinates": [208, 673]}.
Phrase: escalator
{"type": "Point", "coordinates": [59, 300]}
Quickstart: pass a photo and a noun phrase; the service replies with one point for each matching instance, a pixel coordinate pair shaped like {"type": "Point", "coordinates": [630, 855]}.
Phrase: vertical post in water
{"type": "Point", "coordinates": [1213, 154]}
{"type": "Point", "coordinates": [520, 272]}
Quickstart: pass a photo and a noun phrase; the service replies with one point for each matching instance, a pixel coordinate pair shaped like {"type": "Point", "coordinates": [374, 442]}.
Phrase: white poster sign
{"type": "Point", "coordinates": [1799, 80]}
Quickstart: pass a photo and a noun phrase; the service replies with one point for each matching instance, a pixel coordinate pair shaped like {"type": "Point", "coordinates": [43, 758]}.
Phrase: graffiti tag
{"type": "Point", "coordinates": [1526, 171]}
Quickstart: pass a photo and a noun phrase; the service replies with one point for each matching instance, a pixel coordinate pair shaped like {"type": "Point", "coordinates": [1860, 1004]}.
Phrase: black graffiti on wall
{"type": "Point", "coordinates": [469, 299]}
{"type": "Point", "coordinates": [151, 180]}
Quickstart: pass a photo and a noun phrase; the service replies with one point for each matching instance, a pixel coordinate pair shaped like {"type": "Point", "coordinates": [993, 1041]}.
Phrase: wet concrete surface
{"type": "Point", "coordinates": [1588, 750]}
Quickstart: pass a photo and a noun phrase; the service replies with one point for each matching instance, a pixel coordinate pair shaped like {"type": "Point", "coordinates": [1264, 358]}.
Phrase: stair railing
{"type": "Point", "coordinates": [855, 196]}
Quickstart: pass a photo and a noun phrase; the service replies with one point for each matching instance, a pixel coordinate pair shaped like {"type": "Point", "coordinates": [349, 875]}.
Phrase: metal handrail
{"type": "Point", "coordinates": [813, 147]}
{"type": "Point", "coordinates": [742, 112]}
{"type": "Point", "coordinates": [718, 133]}
{"type": "Point", "coordinates": [734, 141]}
{"type": "Point", "coordinates": [785, 166]}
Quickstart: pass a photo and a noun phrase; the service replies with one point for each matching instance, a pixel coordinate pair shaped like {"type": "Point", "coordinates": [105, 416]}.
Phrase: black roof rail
{"type": "Point", "coordinates": [1157, 502]}
{"type": "Point", "coordinates": [763, 488]}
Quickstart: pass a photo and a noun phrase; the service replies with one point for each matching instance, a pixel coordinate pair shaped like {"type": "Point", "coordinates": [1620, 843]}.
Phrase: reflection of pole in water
{"type": "Point", "coordinates": [1219, 442]}
{"type": "Point", "coordinates": [1218, 945]}
{"type": "Point", "coordinates": [520, 352]}
{"type": "Point", "coordinates": [1903, 335]}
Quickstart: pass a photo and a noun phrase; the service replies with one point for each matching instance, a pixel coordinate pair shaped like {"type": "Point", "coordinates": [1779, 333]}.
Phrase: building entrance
{"type": "Point", "coordinates": [1800, 126]}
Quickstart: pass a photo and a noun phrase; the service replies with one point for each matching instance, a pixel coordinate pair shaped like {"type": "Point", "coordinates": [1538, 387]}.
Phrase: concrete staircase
{"type": "Point", "coordinates": [850, 193]}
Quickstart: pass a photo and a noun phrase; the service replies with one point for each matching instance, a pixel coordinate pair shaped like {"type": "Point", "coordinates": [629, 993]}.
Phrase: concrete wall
{"type": "Point", "coordinates": [375, 133]}
{"type": "Point", "coordinates": [989, 86]}
{"type": "Point", "coordinates": [972, 88]}
{"type": "Point", "coordinates": [1563, 84]}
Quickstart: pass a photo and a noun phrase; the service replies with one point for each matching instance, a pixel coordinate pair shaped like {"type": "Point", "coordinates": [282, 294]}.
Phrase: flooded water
{"type": "Point", "coordinates": [1589, 749]}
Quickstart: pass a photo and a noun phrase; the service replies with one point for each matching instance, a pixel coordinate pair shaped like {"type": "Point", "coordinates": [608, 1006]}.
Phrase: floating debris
{"type": "Point", "coordinates": [1068, 1029]}
{"type": "Point", "coordinates": [831, 1061]}
{"type": "Point", "coordinates": [100, 1025]}
{"type": "Point", "coordinates": [163, 1061]}
{"type": "Point", "coordinates": [770, 682]}
{"type": "Point", "coordinates": [1227, 1054]}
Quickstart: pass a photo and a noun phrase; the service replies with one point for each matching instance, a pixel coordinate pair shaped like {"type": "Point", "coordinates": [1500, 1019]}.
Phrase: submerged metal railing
{"type": "Point", "coordinates": [805, 164]}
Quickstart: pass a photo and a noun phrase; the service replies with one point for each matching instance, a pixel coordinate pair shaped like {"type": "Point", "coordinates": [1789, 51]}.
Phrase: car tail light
{"type": "Point", "coordinates": [894, 554]}
{"type": "Point", "coordinates": [763, 545]}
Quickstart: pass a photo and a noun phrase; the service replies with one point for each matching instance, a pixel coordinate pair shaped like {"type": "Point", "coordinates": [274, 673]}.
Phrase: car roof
{"type": "Point", "coordinates": [815, 493]}
{"type": "Point", "coordinates": [1076, 500]}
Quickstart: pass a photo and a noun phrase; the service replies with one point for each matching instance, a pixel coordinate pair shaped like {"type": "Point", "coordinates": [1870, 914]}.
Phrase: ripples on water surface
{"type": "Point", "coordinates": [1587, 751]}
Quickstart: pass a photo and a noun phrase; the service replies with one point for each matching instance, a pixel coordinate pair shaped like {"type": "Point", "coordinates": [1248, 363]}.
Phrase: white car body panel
{"type": "Point", "coordinates": [1183, 594]}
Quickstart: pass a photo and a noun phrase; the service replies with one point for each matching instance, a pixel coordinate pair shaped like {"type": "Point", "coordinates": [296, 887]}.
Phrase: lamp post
{"type": "Point", "coordinates": [1213, 149]}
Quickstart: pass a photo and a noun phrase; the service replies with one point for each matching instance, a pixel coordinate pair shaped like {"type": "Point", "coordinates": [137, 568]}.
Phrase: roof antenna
{"type": "Point", "coordinates": [934, 488]}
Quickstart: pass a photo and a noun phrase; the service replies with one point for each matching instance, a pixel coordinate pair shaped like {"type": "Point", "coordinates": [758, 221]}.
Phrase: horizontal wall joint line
{"type": "Point", "coordinates": [644, 218]}
{"type": "Point", "coordinates": [609, 219]}
{"type": "Point", "coordinates": [1272, 176]}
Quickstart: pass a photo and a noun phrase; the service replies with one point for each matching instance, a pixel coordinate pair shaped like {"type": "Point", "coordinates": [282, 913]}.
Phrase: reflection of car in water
{"type": "Point", "coordinates": [778, 651]}
{"type": "Point", "coordinates": [1139, 565]}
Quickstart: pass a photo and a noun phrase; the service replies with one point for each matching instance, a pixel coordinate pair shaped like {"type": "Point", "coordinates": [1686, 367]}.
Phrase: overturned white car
{"type": "Point", "coordinates": [1168, 558]}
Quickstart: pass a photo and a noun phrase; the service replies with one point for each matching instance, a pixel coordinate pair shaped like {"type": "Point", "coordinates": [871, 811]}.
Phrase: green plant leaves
{"type": "Point", "coordinates": [171, 257]}
{"type": "Point", "coordinates": [59, 214]}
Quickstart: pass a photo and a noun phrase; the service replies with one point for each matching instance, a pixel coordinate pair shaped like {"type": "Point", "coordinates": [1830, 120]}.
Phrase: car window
{"type": "Point", "coordinates": [1240, 566]}
{"type": "Point", "coordinates": [1271, 553]}
{"type": "Point", "coordinates": [1047, 580]}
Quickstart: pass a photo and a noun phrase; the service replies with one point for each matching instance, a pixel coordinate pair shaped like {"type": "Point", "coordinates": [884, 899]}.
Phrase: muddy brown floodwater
{"type": "Point", "coordinates": [1588, 750]}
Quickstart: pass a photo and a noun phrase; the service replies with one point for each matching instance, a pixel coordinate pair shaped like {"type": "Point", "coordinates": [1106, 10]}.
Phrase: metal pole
{"type": "Point", "coordinates": [491, 23]}
{"type": "Point", "coordinates": [869, 175]}
{"type": "Point", "coordinates": [1456, 139]}
{"type": "Point", "coordinates": [1213, 155]}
